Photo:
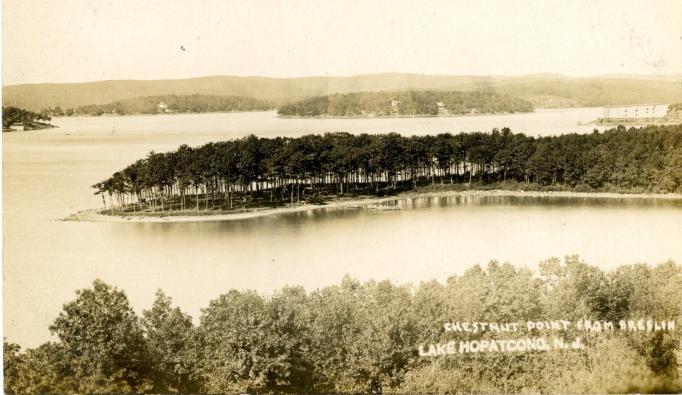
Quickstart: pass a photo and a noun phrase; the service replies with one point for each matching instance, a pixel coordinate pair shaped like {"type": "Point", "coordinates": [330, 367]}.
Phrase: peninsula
{"type": "Point", "coordinates": [255, 174]}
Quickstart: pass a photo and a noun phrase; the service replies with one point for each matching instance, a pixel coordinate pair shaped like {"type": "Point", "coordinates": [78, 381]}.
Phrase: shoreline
{"type": "Point", "coordinates": [367, 116]}
{"type": "Point", "coordinates": [142, 114]}
{"type": "Point", "coordinates": [95, 215]}
{"type": "Point", "coordinates": [109, 115]}
{"type": "Point", "coordinates": [634, 123]}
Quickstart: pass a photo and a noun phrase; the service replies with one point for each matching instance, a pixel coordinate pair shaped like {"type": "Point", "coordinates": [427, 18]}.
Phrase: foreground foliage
{"type": "Point", "coordinates": [241, 173]}
{"type": "Point", "coordinates": [355, 336]}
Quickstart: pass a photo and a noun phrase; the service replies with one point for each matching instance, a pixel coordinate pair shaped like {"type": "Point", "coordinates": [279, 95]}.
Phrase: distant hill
{"type": "Point", "coordinates": [543, 90]}
{"type": "Point", "coordinates": [406, 103]}
{"type": "Point", "coordinates": [594, 91]}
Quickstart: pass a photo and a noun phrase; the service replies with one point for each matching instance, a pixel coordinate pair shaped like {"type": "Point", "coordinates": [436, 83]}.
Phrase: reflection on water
{"type": "Point", "coordinates": [544, 201]}
{"type": "Point", "coordinates": [47, 176]}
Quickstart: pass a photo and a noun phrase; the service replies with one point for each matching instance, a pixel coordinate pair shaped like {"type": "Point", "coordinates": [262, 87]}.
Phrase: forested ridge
{"type": "Point", "coordinates": [356, 337]}
{"type": "Point", "coordinates": [406, 103]}
{"type": "Point", "coordinates": [172, 103]}
{"type": "Point", "coordinates": [543, 90]}
{"type": "Point", "coordinates": [254, 171]}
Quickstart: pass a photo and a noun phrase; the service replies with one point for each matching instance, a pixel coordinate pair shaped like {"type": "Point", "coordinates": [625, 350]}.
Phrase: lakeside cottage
{"type": "Point", "coordinates": [162, 107]}
{"type": "Point", "coordinates": [441, 108]}
{"type": "Point", "coordinates": [395, 106]}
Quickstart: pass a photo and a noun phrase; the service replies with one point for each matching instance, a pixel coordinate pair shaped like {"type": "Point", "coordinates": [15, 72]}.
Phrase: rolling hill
{"type": "Point", "coordinates": [543, 90]}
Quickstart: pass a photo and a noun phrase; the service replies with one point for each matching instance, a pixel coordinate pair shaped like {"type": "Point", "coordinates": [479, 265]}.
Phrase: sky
{"type": "Point", "coordinates": [77, 41]}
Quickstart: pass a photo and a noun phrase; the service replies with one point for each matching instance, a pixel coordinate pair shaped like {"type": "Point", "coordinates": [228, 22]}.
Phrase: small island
{"type": "Point", "coordinates": [405, 104]}
{"type": "Point", "coordinates": [259, 174]}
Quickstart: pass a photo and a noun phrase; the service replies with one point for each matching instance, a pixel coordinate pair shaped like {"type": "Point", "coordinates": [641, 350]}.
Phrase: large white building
{"type": "Point", "coordinates": [636, 111]}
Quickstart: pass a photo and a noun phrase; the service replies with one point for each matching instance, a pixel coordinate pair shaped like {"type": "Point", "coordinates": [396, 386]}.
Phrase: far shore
{"type": "Point", "coordinates": [374, 116]}
{"type": "Point", "coordinates": [274, 110]}
{"type": "Point", "coordinates": [477, 114]}
{"type": "Point", "coordinates": [97, 215]}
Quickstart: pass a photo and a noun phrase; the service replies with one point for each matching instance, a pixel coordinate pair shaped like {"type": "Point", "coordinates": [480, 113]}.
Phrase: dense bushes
{"type": "Point", "coordinates": [350, 337]}
{"type": "Point", "coordinates": [285, 169]}
{"type": "Point", "coordinates": [406, 103]}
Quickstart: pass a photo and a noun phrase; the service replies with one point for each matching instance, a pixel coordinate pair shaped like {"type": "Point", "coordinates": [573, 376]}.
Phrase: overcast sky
{"type": "Point", "coordinates": [74, 41]}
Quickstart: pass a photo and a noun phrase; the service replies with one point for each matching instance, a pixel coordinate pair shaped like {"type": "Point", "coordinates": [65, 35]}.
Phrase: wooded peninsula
{"type": "Point", "coordinates": [29, 120]}
{"type": "Point", "coordinates": [254, 172]}
{"type": "Point", "coordinates": [167, 104]}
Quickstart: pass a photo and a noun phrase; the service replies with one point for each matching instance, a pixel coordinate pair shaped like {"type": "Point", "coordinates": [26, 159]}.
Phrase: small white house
{"type": "Point", "coordinates": [395, 106]}
{"type": "Point", "coordinates": [162, 107]}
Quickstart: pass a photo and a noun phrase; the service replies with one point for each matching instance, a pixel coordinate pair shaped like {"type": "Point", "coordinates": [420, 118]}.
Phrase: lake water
{"type": "Point", "coordinates": [47, 176]}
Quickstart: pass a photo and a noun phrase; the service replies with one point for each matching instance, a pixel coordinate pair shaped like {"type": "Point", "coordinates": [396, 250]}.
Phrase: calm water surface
{"type": "Point", "coordinates": [47, 174]}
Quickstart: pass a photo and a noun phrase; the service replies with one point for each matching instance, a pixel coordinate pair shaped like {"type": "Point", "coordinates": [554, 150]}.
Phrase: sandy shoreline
{"type": "Point", "coordinates": [94, 215]}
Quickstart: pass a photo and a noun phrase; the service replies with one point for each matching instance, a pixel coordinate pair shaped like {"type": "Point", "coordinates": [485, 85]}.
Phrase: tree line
{"type": "Point", "coordinates": [173, 103]}
{"type": "Point", "coordinates": [364, 337]}
{"type": "Point", "coordinates": [272, 171]}
{"type": "Point", "coordinates": [406, 103]}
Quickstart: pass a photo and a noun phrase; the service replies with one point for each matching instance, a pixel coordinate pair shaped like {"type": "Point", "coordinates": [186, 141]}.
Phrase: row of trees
{"type": "Point", "coordinates": [14, 115]}
{"type": "Point", "coordinates": [674, 112]}
{"type": "Point", "coordinates": [357, 337]}
{"type": "Point", "coordinates": [173, 103]}
{"type": "Point", "coordinates": [406, 103]}
{"type": "Point", "coordinates": [277, 170]}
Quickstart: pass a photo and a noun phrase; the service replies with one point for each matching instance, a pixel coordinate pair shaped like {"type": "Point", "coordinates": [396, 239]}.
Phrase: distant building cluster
{"type": "Point", "coordinates": [638, 111]}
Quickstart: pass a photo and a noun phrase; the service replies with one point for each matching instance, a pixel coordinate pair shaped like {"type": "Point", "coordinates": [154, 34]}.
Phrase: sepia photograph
{"type": "Point", "coordinates": [341, 197]}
